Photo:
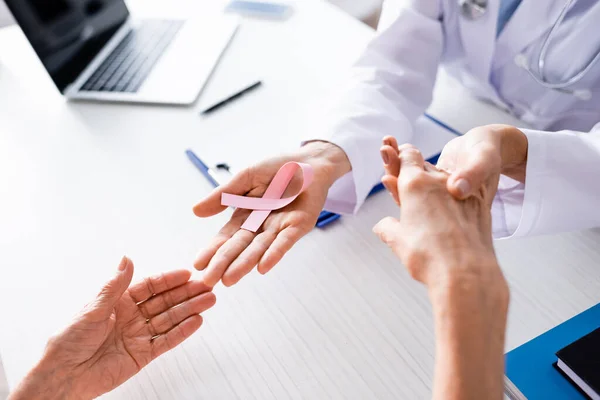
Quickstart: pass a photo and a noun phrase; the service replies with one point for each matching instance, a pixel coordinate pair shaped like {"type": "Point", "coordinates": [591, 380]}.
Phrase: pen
{"type": "Point", "coordinates": [231, 98]}
{"type": "Point", "coordinates": [208, 173]}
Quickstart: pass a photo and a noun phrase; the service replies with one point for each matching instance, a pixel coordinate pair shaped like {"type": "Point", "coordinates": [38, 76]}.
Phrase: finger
{"type": "Point", "coordinates": [391, 184]}
{"type": "Point", "coordinates": [175, 336]}
{"type": "Point", "coordinates": [392, 142]}
{"type": "Point", "coordinates": [226, 233]}
{"type": "Point", "coordinates": [389, 231]}
{"type": "Point", "coordinates": [113, 290]}
{"type": "Point", "coordinates": [226, 255]}
{"type": "Point", "coordinates": [405, 146]}
{"type": "Point", "coordinates": [391, 162]}
{"type": "Point", "coordinates": [473, 174]}
{"type": "Point", "coordinates": [284, 241]}
{"type": "Point", "coordinates": [411, 164]}
{"type": "Point", "coordinates": [158, 284]}
{"type": "Point", "coordinates": [169, 319]}
{"type": "Point", "coordinates": [161, 303]}
{"type": "Point", "coordinates": [248, 259]}
{"type": "Point", "coordinates": [240, 184]}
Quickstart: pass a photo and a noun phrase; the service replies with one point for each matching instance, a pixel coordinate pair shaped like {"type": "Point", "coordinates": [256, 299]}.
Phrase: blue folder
{"type": "Point", "coordinates": [530, 366]}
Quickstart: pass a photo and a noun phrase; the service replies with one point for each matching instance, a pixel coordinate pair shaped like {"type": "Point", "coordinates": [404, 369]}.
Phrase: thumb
{"type": "Point", "coordinates": [240, 184]}
{"type": "Point", "coordinates": [114, 289]}
{"type": "Point", "coordinates": [389, 231]}
{"type": "Point", "coordinates": [470, 176]}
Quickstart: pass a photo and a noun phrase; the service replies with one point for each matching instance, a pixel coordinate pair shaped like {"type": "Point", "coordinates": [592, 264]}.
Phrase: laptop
{"type": "Point", "coordinates": [94, 50]}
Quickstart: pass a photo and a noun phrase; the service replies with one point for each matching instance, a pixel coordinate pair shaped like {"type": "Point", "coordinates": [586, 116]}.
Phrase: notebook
{"type": "Point", "coordinates": [530, 373]}
{"type": "Point", "coordinates": [580, 363]}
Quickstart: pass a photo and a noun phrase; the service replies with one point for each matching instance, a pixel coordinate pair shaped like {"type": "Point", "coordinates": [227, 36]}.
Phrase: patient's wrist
{"type": "Point", "coordinates": [49, 379]}
{"type": "Point", "coordinates": [46, 381]}
{"type": "Point", "coordinates": [470, 284]}
{"type": "Point", "coordinates": [470, 323]}
{"type": "Point", "coordinates": [468, 301]}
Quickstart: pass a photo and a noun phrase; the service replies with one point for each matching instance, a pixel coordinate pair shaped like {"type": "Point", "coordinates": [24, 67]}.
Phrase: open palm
{"type": "Point", "coordinates": [234, 252]}
{"type": "Point", "coordinates": [125, 328]}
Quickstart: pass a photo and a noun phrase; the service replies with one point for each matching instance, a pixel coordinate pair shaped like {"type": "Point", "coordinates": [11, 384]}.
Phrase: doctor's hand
{"type": "Point", "coordinates": [474, 160]}
{"type": "Point", "coordinates": [481, 155]}
{"type": "Point", "coordinates": [118, 334]}
{"type": "Point", "coordinates": [234, 252]}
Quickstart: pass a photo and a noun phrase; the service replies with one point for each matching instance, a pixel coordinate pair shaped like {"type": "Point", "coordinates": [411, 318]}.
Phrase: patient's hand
{"type": "Point", "coordinates": [437, 236]}
{"type": "Point", "coordinates": [118, 334]}
{"type": "Point", "coordinates": [446, 244]}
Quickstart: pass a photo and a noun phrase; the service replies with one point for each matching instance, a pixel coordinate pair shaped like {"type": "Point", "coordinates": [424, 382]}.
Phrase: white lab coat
{"type": "Point", "coordinates": [391, 86]}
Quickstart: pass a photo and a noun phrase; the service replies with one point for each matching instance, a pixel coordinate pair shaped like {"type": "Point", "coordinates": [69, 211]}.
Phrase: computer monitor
{"type": "Point", "coordinates": [68, 34]}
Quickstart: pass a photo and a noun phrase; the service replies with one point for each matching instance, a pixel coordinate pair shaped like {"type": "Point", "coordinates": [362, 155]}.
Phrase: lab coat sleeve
{"type": "Point", "coordinates": [561, 189]}
{"type": "Point", "coordinates": [387, 89]}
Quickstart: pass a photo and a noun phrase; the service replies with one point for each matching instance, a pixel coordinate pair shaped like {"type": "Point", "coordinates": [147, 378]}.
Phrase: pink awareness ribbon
{"type": "Point", "coordinates": [271, 200]}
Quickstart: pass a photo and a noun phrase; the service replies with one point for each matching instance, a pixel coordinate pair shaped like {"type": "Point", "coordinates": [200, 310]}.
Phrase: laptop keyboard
{"type": "Point", "coordinates": [130, 63]}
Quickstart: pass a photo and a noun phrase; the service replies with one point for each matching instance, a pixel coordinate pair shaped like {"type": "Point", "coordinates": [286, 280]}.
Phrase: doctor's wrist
{"type": "Point", "coordinates": [514, 147]}
{"type": "Point", "coordinates": [329, 160]}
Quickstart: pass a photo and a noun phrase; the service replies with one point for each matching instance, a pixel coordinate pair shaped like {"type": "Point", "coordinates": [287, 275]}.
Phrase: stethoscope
{"type": "Point", "coordinates": [475, 9]}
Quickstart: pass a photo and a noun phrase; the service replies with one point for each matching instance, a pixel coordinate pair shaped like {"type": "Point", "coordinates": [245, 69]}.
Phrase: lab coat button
{"type": "Point", "coordinates": [521, 61]}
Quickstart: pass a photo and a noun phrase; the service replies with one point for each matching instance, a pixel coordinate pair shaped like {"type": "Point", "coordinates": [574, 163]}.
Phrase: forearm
{"type": "Point", "coordinates": [470, 323]}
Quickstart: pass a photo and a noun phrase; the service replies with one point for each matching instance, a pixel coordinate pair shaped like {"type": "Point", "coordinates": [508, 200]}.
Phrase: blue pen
{"type": "Point", "coordinates": [203, 168]}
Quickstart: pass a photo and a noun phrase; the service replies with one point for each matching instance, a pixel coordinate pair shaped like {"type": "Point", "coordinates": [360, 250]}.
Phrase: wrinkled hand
{"type": "Point", "coordinates": [118, 334]}
{"type": "Point", "coordinates": [473, 160]}
{"type": "Point", "coordinates": [446, 244]}
{"type": "Point", "coordinates": [438, 238]}
{"type": "Point", "coordinates": [234, 252]}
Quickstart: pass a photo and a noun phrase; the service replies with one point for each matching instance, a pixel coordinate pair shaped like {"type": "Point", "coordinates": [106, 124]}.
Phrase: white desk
{"type": "Point", "coordinates": [82, 184]}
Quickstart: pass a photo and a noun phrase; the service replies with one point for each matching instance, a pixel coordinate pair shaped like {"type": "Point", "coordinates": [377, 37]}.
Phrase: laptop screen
{"type": "Point", "coordinates": [68, 34]}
